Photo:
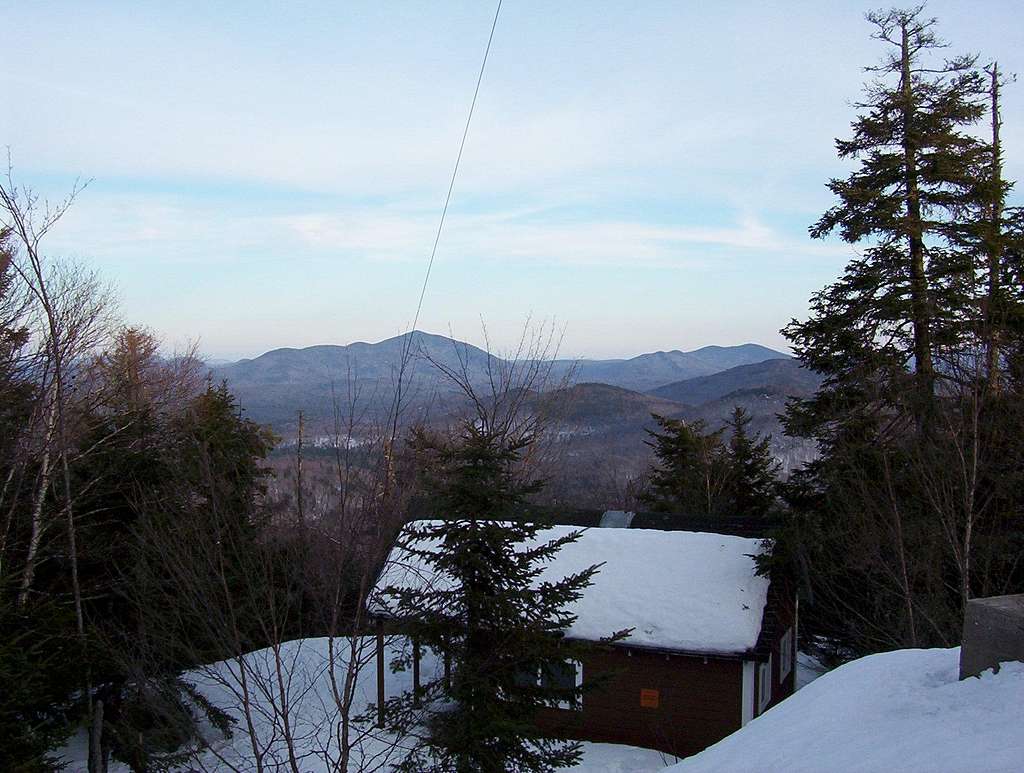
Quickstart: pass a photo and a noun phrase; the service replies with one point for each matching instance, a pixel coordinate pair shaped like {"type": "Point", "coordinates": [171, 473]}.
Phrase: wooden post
{"type": "Point", "coordinates": [380, 672]}
{"type": "Point", "coordinates": [415, 673]}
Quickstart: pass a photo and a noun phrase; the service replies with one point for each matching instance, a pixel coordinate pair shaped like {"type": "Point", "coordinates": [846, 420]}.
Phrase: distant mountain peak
{"type": "Point", "coordinates": [278, 383]}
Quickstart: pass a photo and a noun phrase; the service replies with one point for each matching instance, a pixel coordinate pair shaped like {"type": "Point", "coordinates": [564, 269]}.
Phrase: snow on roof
{"type": "Point", "coordinates": [904, 710]}
{"type": "Point", "coordinates": [678, 590]}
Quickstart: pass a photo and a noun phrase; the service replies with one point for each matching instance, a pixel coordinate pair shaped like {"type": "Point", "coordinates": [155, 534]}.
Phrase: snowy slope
{"type": "Point", "coordinates": [307, 667]}
{"type": "Point", "coordinates": [898, 711]}
{"type": "Point", "coordinates": [678, 590]}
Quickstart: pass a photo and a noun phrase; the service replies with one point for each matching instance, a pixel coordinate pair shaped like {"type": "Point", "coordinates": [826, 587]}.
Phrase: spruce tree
{"type": "Point", "coordinates": [911, 508]}
{"type": "Point", "coordinates": [992, 238]}
{"type": "Point", "coordinates": [753, 471]}
{"type": "Point", "coordinates": [875, 332]}
{"type": "Point", "coordinates": [498, 625]}
{"type": "Point", "coordinates": [692, 469]}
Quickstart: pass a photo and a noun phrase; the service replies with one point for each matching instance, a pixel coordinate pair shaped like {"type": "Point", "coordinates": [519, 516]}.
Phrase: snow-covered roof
{"type": "Point", "coordinates": [678, 590]}
{"type": "Point", "coordinates": [905, 710]}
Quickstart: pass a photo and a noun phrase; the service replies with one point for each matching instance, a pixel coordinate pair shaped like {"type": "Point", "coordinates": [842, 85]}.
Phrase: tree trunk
{"type": "Point", "coordinates": [36, 532]}
{"type": "Point", "coordinates": [924, 372]}
{"type": "Point", "coordinates": [97, 761]}
{"type": "Point", "coordinates": [10, 512]}
{"type": "Point", "coordinates": [994, 245]}
{"type": "Point", "coordinates": [299, 504]}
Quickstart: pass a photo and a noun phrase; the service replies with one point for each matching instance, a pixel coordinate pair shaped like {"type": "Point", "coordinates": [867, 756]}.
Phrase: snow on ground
{"type": "Point", "coordinates": [904, 710]}
{"type": "Point", "coordinates": [679, 590]}
{"type": "Point", "coordinates": [311, 706]}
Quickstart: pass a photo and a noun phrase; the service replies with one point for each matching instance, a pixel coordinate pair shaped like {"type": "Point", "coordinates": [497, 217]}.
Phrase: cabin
{"type": "Point", "coordinates": [713, 644]}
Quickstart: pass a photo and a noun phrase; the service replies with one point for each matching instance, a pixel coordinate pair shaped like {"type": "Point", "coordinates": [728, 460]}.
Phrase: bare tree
{"type": "Point", "coordinates": [74, 311]}
{"type": "Point", "coordinates": [516, 394]}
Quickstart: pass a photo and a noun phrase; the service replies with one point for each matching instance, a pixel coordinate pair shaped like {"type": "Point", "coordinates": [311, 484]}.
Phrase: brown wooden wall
{"type": "Point", "coordinates": [699, 701]}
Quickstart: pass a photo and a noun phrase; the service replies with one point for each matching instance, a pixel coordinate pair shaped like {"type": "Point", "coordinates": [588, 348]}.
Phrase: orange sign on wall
{"type": "Point", "coordinates": [649, 699]}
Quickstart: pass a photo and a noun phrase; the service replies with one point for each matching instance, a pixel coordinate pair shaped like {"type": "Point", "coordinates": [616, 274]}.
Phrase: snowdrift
{"type": "Point", "coordinates": [904, 710]}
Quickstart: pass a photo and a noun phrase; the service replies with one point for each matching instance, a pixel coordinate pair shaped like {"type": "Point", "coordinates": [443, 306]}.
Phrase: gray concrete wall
{"type": "Point", "coordinates": [993, 633]}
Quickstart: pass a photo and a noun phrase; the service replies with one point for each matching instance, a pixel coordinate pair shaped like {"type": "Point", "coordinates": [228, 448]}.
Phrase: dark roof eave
{"type": "Point", "coordinates": [747, 654]}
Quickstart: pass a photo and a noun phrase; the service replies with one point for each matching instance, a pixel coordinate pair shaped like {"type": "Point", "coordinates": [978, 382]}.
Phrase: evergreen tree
{"type": "Point", "coordinates": [499, 627]}
{"type": "Point", "coordinates": [691, 474]}
{"type": "Point", "coordinates": [875, 332]}
{"type": "Point", "coordinates": [223, 452]}
{"type": "Point", "coordinates": [753, 471]}
{"type": "Point", "coordinates": [911, 508]}
{"type": "Point", "coordinates": [991, 237]}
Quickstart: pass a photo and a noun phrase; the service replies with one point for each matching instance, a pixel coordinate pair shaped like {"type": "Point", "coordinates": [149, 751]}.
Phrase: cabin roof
{"type": "Point", "coordinates": [685, 591]}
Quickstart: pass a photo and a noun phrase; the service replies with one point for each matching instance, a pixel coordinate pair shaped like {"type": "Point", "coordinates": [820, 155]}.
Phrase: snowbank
{"type": "Point", "coordinates": [903, 710]}
{"type": "Point", "coordinates": [678, 590]}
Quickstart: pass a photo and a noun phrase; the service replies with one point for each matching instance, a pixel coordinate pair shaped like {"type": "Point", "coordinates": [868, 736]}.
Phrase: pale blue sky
{"type": "Point", "coordinates": [271, 174]}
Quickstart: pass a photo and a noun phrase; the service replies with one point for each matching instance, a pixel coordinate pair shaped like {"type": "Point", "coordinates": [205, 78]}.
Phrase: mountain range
{"type": "Point", "coordinates": [276, 385]}
{"type": "Point", "coordinates": [604, 411]}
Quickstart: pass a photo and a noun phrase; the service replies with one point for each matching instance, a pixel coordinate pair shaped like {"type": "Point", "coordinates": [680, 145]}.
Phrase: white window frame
{"type": "Point", "coordinates": [764, 685]}
{"type": "Point", "coordinates": [747, 693]}
{"type": "Point", "coordinates": [786, 649]}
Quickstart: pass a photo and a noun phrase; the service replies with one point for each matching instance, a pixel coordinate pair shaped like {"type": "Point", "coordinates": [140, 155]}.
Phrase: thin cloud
{"type": "Point", "coordinates": [500, 236]}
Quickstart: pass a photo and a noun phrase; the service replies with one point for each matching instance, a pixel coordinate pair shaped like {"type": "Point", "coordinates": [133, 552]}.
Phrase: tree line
{"type": "Point", "coordinates": [143, 537]}
{"type": "Point", "coordinates": [146, 548]}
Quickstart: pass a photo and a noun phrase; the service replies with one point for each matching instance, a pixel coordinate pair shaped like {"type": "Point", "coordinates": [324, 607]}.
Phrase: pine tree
{"type": "Point", "coordinates": [992, 237]}
{"type": "Point", "coordinates": [692, 469]}
{"type": "Point", "coordinates": [753, 471]}
{"type": "Point", "coordinates": [911, 508]}
{"type": "Point", "coordinates": [499, 627]}
{"type": "Point", "coordinates": [875, 332]}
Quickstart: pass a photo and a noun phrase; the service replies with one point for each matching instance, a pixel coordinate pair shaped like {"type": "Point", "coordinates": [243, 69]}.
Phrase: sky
{"type": "Point", "coordinates": [639, 174]}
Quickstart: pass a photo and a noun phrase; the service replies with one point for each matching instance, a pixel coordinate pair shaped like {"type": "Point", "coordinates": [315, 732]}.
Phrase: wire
{"type": "Point", "coordinates": [455, 172]}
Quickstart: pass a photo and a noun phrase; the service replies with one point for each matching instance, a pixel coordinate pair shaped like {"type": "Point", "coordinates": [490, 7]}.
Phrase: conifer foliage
{"type": "Point", "coordinates": [699, 472]}
{"type": "Point", "coordinates": [493, 619]}
{"type": "Point", "coordinates": [754, 471]}
{"type": "Point", "coordinates": [914, 506]}
{"type": "Point", "coordinates": [691, 471]}
{"type": "Point", "coordinates": [879, 332]}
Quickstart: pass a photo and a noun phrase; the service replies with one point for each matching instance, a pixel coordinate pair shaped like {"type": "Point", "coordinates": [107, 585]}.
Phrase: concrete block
{"type": "Point", "coordinates": [993, 633]}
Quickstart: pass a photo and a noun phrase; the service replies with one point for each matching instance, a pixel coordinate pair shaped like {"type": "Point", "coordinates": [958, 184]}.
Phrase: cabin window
{"type": "Point", "coordinates": [557, 675]}
{"type": "Point", "coordinates": [764, 685]}
{"type": "Point", "coordinates": [564, 675]}
{"type": "Point", "coordinates": [786, 654]}
{"type": "Point", "coordinates": [527, 678]}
